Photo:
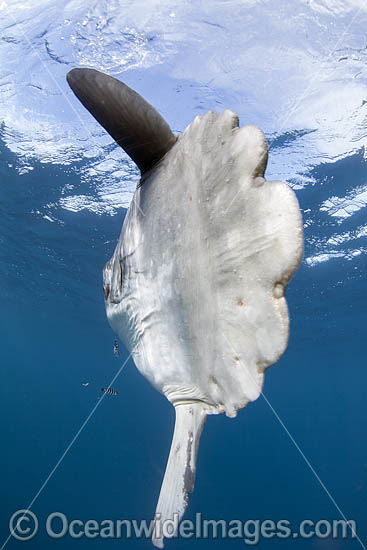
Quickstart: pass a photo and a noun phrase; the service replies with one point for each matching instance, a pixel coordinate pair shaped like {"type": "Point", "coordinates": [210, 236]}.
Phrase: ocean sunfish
{"type": "Point", "coordinates": [195, 287]}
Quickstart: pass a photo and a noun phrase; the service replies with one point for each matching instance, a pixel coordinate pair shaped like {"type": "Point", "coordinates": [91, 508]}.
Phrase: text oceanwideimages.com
{"type": "Point", "coordinates": [24, 525]}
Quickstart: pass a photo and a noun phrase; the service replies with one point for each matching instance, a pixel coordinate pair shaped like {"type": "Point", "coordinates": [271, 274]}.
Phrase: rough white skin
{"type": "Point", "coordinates": [196, 283]}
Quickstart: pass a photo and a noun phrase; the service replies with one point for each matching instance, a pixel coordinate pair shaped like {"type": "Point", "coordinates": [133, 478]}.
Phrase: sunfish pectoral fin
{"type": "Point", "coordinates": [132, 122]}
{"type": "Point", "coordinates": [179, 477]}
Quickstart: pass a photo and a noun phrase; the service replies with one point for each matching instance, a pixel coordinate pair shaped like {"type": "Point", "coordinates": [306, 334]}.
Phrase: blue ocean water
{"type": "Point", "coordinates": [299, 453]}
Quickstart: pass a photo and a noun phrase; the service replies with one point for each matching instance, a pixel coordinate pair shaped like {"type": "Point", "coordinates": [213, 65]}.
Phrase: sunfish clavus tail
{"type": "Point", "coordinates": [195, 288]}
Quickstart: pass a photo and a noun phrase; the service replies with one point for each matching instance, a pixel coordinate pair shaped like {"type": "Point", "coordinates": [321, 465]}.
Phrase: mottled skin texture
{"type": "Point", "coordinates": [197, 280]}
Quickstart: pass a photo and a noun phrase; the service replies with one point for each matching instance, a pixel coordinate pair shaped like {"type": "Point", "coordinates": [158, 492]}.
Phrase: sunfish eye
{"type": "Point", "coordinates": [106, 291]}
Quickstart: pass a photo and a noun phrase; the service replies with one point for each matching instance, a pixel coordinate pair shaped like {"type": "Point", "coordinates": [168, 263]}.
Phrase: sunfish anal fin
{"type": "Point", "coordinates": [179, 477]}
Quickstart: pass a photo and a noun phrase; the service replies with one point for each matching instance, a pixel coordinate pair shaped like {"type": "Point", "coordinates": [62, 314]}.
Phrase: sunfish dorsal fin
{"type": "Point", "coordinates": [132, 122]}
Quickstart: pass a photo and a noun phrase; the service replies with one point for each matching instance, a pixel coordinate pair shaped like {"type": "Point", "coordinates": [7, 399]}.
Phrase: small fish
{"type": "Point", "coordinates": [109, 391]}
{"type": "Point", "coordinates": [116, 349]}
{"type": "Point", "coordinates": [85, 384]}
